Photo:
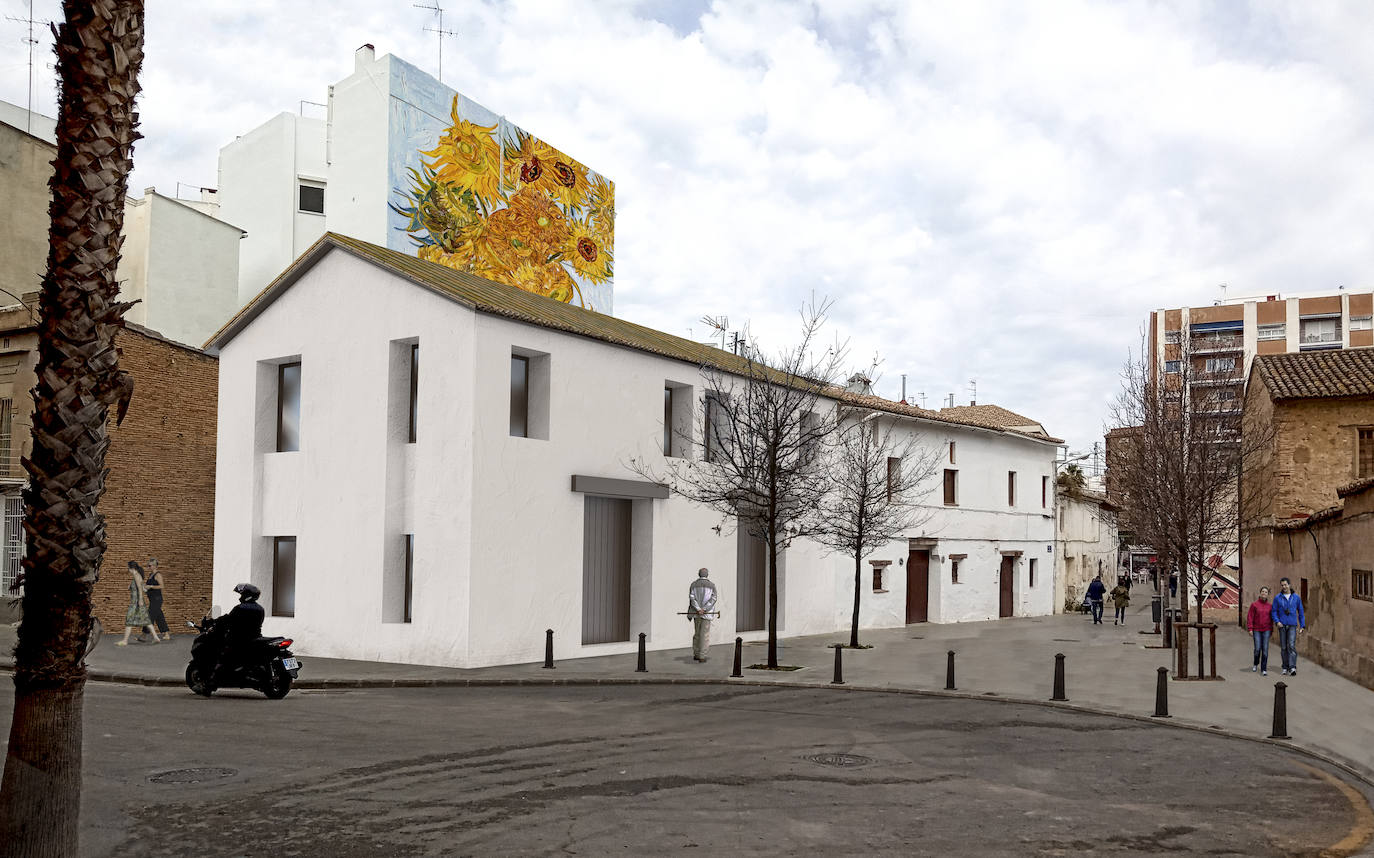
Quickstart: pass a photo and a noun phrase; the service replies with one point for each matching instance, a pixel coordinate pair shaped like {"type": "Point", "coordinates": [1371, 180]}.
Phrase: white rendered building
{"type": "Point", "coordinates": [421, 466]}
{"type": "Point", "coordinates": [1087, 530]}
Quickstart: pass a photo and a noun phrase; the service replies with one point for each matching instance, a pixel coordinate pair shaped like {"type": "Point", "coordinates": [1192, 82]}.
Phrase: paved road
{"type": "Point", "coordinates": [660, 770]}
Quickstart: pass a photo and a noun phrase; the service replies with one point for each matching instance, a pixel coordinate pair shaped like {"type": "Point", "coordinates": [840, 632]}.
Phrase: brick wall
{"type": "Point", "coordinates": [1316, 451]}
{"type": "Point", "coordinates": [160, 494]}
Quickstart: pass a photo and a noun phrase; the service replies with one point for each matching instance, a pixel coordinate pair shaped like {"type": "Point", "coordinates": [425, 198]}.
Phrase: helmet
{"type": "Point", "coordinates": [247, 592]}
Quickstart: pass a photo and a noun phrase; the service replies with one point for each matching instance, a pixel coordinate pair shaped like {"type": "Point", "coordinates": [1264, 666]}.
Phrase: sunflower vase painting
{"type": "Point", "coordinates": [491, 200]}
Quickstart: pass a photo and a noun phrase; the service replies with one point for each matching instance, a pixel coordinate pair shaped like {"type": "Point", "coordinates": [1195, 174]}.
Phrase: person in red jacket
{"type": "Point", "coordinates": [1260, 623]}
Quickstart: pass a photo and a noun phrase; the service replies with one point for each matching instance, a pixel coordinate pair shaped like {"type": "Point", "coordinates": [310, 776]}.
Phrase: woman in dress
{"type": "Point", "coordinates": [137, 615]}
{"type": "Point", "coordinates": [152, 584]}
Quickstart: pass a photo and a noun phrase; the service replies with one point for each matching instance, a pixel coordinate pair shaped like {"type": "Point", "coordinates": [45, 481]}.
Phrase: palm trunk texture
{"type": "Point", "coordinates": [99, 50]}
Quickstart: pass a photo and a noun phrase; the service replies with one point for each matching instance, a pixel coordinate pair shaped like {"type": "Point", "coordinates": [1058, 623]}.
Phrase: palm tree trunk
{"type": "Point", "coordinates": [99, 51]}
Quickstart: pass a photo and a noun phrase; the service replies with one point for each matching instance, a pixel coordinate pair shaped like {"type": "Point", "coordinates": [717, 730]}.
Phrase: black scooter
{"type": "Point", "coordinates": [268, 666]}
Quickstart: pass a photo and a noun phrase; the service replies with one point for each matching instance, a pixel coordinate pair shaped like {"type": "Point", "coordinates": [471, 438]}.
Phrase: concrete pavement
{"type": "Point", "coordinates": [1109, 670]}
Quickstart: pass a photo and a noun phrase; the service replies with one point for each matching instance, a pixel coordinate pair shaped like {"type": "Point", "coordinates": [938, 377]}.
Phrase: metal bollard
{"type": "Point", "coordinates": [1162, 694]}
{"type": "Point", "coordinates": [1059, 677]}
{"type": "Point", "coordinates": [949, 672]}
{"type": "Point", "coordinates": [548, 650]}
{"type": "Point", "coordinates": [1280, 712]}
{"type": "Point", "coordinates": [739, 658]}
{"type": "Point", "coordinates": [839, 669]}
{"type": "Point", "coordinates": [641, 668]}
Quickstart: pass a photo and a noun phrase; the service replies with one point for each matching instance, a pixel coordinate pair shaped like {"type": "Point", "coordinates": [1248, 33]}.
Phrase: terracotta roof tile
{"type": "Point", "coordinates": [1318, 375]}
{"type": "Point", "coordinates": [994, 414]}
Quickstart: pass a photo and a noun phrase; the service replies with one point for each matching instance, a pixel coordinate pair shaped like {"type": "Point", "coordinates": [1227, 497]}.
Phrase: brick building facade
{"type": "Point", "coordinates": [160, 493]}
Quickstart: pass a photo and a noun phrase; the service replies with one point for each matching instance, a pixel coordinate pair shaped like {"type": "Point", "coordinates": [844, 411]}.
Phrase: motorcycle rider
{"type": "Point", "coordinates": [242, 628]}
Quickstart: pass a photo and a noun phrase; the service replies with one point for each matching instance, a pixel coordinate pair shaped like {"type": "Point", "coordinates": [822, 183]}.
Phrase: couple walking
{"type": "Point", "coordinates": [145, 603]}
{"type": "Point", "coordinates": [1286, 614]}
{"type": "Point", "coordinates": [1121, 598]}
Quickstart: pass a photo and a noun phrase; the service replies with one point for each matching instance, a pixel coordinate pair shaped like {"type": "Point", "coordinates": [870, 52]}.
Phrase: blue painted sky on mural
{"type": "Point", "coordinates": [998, 191]}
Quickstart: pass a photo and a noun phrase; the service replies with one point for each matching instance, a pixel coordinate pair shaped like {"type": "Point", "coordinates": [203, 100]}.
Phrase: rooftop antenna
{"type": "Point", "coordinates": [973, 391]}
{"type": "Point", "coordinates": [719, 324]}
{"type": "Point", "coordinates": [439, 31]}
{"type": "Point", "coordinates": [923, 398]}
{"type": "Point", "coordinates": [32, 43]}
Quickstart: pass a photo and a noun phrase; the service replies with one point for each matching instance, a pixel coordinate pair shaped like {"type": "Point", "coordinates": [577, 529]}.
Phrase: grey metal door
{"type": "Point", "coordinates": [606, 570]}
{"type": "Point", "coordinates": [751, 569]}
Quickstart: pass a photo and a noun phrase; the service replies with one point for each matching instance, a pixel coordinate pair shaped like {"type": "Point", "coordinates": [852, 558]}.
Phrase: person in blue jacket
{"type": "Point", "coordinates": [1096, 590]}
{"type": "Point", "coordinates": [1289, 620]}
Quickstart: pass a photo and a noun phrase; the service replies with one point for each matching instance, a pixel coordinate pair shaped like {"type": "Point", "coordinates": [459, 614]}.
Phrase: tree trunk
{"type": "Point", "coordinates": [99, 51]}
{"type": "Point", "coordinates": [858, 582]}
{"type": "Point", "coordinates": [772, 596]}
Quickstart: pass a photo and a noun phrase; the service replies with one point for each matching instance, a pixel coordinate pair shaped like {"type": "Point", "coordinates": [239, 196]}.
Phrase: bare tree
{"type": "Point", "coordinates": [876, 472]}
{"type": "Point", "coordinates": [765, 427]}
{"type": "Point", "coordinates": [1177, 465]}
{"type": "Point", "coordinates": [99, 49]}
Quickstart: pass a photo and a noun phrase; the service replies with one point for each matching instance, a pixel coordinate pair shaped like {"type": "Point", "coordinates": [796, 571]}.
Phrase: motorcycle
{"type": "Point", "coordinates": [268, 665]}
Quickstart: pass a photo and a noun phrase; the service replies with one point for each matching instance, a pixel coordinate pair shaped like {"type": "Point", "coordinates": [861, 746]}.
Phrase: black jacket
{"type": "Point", "coordinates": [244, 623]}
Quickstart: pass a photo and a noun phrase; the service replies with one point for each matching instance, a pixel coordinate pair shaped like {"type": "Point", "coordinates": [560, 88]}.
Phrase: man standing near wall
{"type": "Point", "coordinates": [701, 605]}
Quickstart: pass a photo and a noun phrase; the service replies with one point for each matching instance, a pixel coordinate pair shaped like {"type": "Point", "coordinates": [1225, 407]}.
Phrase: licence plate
{"type": "Point", "coordinates": [290, 664]}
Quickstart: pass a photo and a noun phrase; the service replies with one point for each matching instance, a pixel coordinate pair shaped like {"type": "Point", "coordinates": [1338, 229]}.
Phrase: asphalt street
{"type": "Point", "coordinates": [658, 770]}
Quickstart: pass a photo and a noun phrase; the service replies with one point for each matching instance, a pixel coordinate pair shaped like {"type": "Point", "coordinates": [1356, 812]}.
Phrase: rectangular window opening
{"type": "Point", "coordinates": [310, 198]}
{"type": "Point", "coordinates": [284, 576]}
{"type": "Point", "coordinates": [1011, 488]}
{"type": "Point", "coordinates": [519, 396]}
{"type": "Point", "coordinates": [954, 571]}
{"type": "Point", "coordinates": [289, 407]}
{"type": "Point", "coordinates": [667, 421]}
{"type": "Point", "coordinates": [717, 427]}
{"type": "Point", "coordinates": [1362, 584]}
{"type": "Point", "coordinates": [1364, 463]}
{"type": "Point", "coordinates": [1044, 492]}
{"type": "Point", "coordinates": [951, 452]}
{"type": "Point", "coordinates": [951, 479]}
{"type": "Point", "coordinates": [409, 576]}
{"type": "Point", "coordinates": [414, 388]}
{"type": "Point", "coordinates": [894, 477]}
{"type": "Point", "coordinates": [1031, 573]}
{"type": "Point", "coordinates": [1272, 332]}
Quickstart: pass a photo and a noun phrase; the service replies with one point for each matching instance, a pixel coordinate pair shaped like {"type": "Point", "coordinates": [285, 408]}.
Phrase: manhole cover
{"type": "Point", "coordinates": [193, 776]}
{"type": "Point", "coordinates": [839, 761]}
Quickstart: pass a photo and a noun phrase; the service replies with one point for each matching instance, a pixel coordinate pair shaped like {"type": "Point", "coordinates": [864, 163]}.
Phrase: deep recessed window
{"type": "Point", "coordinates": [1361, 323]}
{"type": "Point", "coordinates": [288, 407]}
{"type": "Point", "coordinates": [310, 198]}
{"type": "Point", "coordinates": [878, 578]}
{"type": "Point", "coordinates": [894, 477]}
{"type": "Point", "coordinates": [1044, 492]}
{"type": "Point", "coordinates": [1362, 584]}
{"type": "Point", "coordinates": [1364, 462]}
{"type": "Point", "coordinates": [414, 387]}
{"type": "Point", "coordinates": [519, 396]}
{"type": "Point", "coordinates": [1031, 573]}
{"type": "Point", "coordinates": [951, 452]}
{"type": "Point", "coordinates": [1011, 488]}
{"type": "Point", "coordinates": [667, 421]}
{"type": "Point", "coordinates": [409, 575]}
{"type": "Point", "coordinates": [954, 571]}
{"type": "Point", "coordinates": [1272, 332]}
{"type": "Point", "coordinates": [284, 576]}
{"type": "Point", "coordinates": [951, 480]}
{"type": "Point", "coordinates": [717, 428]}
{"type": "Point", "coordinates": [1172, 366]}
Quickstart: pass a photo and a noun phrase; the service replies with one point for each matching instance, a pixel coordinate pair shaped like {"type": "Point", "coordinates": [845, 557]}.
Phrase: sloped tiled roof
{"type": "Point", "coordinates": [1318, 375]}
{"type": "Point", "coordinates": [498, 299]}
{"type": "Point", "coordinates": [993, 414]}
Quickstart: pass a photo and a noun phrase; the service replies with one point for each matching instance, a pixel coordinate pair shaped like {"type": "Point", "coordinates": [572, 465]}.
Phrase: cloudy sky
{"type": "Point", "coordinates": [990, 191]}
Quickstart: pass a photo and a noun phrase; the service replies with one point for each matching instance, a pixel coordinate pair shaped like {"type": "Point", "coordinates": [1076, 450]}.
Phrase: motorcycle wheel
{"type": "Point", "coordinates": [278, 682]}
{"type": "Point", "coordinates": [196, 682]}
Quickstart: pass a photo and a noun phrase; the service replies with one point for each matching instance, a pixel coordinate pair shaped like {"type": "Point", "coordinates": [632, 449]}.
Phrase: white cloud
{"type": "Point", "coordinates": [990, 190]}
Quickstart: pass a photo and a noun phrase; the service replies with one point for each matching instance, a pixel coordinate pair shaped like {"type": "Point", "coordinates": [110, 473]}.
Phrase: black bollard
{"type": "Point", "coordinates": [641, 668]}
{"type": "Point", "coordinates": [1162, 694]}
{"type": "Point", "coordinates": [949, 672]}
{"type": "Point", "coordinates": [739, 658]}
{"type": "Point", "coordinates": [548, 650]}
{"type": "Point", "coordinates": [1059, 677]}
{"type": "Point", "coordinates": [839, 669]}
{"type": "Point", "coordinates": [1280, 712]}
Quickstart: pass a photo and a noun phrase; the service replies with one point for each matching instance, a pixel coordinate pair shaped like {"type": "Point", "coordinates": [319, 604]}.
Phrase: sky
{"type": "Point", "coordinates": [996, 192]}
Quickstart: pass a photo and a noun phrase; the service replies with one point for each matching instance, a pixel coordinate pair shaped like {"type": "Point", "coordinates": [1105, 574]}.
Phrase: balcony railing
{"type": "Point", "coordinates": [1211, 343]}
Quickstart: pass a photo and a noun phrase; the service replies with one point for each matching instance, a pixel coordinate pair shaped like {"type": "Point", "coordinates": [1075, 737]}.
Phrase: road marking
{"type": "Point", "coordinates": [1363, 829]}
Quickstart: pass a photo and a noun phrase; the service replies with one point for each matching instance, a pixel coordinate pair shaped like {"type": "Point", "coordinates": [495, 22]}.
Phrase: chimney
{"type": "Point", "coordinates": [972, 402]}
{"type": "Point", "coordinates": [860, 384]}
{"type": "Point", "coordinates": [363, 56]}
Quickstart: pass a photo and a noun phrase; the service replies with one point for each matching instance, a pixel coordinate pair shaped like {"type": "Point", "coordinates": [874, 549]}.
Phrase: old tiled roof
{"type": "Point", "coordinates": [488, 296]}
{"type": "Point", "coordinates": [1318, 375]}
{"type": "Point", "coordinates": [994, 414]}
{"type": "Point", "coordinates": [1356, 487]}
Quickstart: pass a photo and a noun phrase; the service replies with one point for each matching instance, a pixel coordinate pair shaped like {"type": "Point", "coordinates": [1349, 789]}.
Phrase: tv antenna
{"type": "Point", "coordinates": [439, 31]}
{"type": "Point", "coordinates": [719, 324]}
{"type": "Point", "coordinates": [32, 43]}
{"type": "Point", "coordinates": [973, 389]}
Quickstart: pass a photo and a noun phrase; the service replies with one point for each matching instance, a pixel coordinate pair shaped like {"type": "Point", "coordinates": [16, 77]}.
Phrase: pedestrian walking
{"type": "Point", "coordinates": [137, 615]}
{"type": "Point", "coordinates": [152, 584]}
{"type": "Point", "coordinates": [1121, 597]}
{"type": "Point", "coordinates": [1259, 622]}
{"type": "Point", "coordinates": [1173, 585]}
{"type": "Point", "coordinates": [1290, 621]}
{"type": "Point", "coordinates": [701, 605]}
{"type": "Point", "coordinates": [1096, 590]}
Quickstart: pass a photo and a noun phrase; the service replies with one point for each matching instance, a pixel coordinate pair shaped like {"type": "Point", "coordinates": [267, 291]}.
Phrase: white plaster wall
{"type": "Point", "coordinates": [359, 120]}
{"type": "Point", "coordinates": [192, 271]}
{"type": "Point", "coordinates": [132, 271]}
{"type": "Point", "coordinates": [1086, 537]}
{"type": "Point", "coordinates": [257, 192]}
{"type": "Point", "coordinates": [333, 488]}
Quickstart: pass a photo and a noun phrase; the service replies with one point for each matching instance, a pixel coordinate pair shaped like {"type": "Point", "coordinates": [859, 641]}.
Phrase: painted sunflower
{"type": "Point", "coordinates": [540, 222]}
{"type": "Point", "coordinates": [549, 280]}
{"type": "Point", "coordinates": [567, 182]}
{"type": "Point", "coordinates": [528, 161]}
{"type": "Point", "coordinates": [601, 206]}
{"type": "Point", "coordinates": [588, 251]}
{"type": "Point", "coordinates": [468, 157]}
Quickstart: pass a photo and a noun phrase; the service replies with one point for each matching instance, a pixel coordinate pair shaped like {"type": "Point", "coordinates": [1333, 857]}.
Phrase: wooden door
{"type": "Point", "coordinates": [751, 579]}
{"type": "Point", "coordinates": [917, 586]}
{"type": "Point", "coordinates": [1004, 579]}
{"type": "Point", "coordinates": [606, 570]}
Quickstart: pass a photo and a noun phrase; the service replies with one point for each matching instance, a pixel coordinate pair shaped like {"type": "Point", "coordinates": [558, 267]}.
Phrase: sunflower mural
{"type": "Point", "coordinates": [497, 202]}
